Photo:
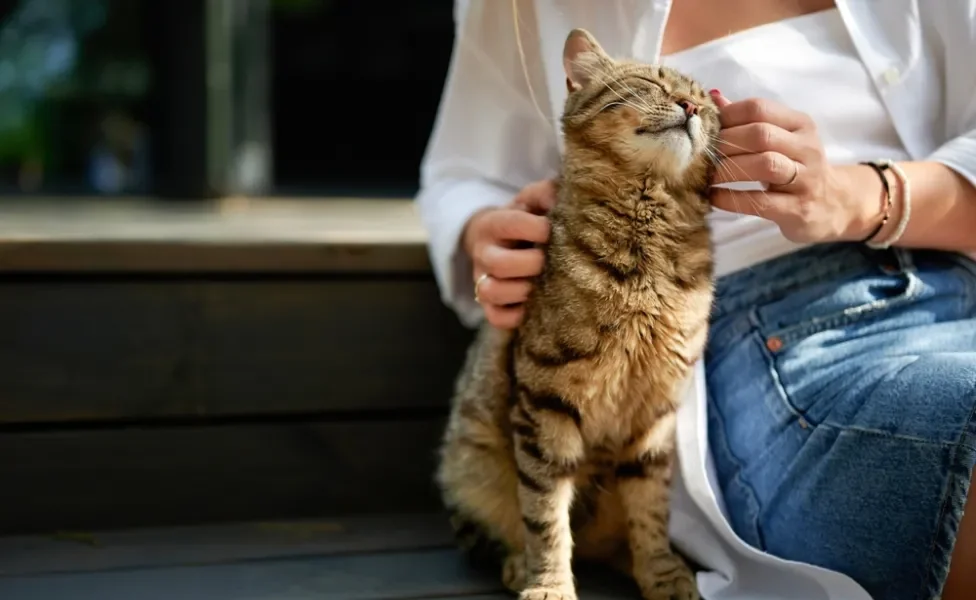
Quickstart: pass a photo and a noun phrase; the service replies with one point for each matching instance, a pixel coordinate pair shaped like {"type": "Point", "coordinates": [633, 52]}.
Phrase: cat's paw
{"type": "Point", "coordinates": [514, 572]}
{"type": "Point", "coordinates": [669, 579]}
{"type": "Point", "coordinates": [547, 594]}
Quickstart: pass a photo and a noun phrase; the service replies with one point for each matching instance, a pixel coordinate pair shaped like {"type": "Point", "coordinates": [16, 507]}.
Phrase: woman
{"type": "Point", "coordinates": [826, 447]}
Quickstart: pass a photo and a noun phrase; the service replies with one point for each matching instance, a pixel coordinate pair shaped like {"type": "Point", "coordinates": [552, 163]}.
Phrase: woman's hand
{"type": "Point", "coordinates": [809, 199]}
{"type": "Point", "coordinates": [500, 244]}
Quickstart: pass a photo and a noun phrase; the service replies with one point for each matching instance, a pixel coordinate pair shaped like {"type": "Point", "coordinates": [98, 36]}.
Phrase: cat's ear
{"type": "Point", "coordinates": [582, 58]}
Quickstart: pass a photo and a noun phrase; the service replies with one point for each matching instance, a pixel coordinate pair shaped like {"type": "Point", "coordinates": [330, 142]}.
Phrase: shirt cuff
{"type": "Point", "coordinates": [959, 154]}
{"type": "Point", "coordinates": [445, 221]}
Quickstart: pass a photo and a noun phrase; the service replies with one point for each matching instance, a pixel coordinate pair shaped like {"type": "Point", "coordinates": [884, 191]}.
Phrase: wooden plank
{"type": "Point", "coordinates": [233, 234]}
{"type": "Point", "coordinates": [348, 346]}
{"type": "Point", "coordinates": [440, 573]}
{"type": "Point", "coordinates": [234, 220]}
{"type": "Point", "coordinates": [145, 256]}
{"type": "Point", "coordinates": [115, 349]}
{"type": "Point", "coordinates": [92, 351]}
{"type": "Point", "coordinates": [138, 477]}
{"type": "Point", "coordinates": [385, 576]}
{"type": "Point", "coordinates": [215, 544]}
{"type": "Point", "coordinates": [44, 559]}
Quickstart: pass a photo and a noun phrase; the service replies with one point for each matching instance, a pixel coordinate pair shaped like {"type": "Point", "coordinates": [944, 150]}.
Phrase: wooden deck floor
{"type": "Point", "coordinates": [370, 558]}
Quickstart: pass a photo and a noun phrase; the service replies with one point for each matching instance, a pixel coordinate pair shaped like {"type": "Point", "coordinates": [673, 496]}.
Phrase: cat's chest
{"type": "Point", "coordinates": [633, 377]}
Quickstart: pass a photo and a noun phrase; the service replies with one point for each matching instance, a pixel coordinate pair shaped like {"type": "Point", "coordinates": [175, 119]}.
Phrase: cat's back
{"type": "Point", "coordinates": [479, 404]}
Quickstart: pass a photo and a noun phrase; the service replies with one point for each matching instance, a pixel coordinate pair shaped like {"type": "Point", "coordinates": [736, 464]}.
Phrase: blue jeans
{"type": "Point", "coordinates": [842, 390]}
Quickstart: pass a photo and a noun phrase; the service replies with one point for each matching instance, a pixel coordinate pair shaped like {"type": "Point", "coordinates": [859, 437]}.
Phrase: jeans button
{"type": "Point", "coordinates": [774, 344]}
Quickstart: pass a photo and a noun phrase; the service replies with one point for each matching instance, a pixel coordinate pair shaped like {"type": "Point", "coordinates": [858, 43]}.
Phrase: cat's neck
{"type": "Point", "coordinates": [634, 227]}
{"type": "Point", "coordinates": [635, 202]}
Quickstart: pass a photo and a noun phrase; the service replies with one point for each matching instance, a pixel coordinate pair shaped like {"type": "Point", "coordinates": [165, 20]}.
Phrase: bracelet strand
{"type": "Point", "coordinates": [880, 170]}
{"type": "Point", "coordinates": [906, 206]}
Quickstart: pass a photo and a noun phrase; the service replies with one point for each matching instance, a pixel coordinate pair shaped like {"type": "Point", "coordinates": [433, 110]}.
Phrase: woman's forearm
{"type": "Point", "coordinates": [943, 205]}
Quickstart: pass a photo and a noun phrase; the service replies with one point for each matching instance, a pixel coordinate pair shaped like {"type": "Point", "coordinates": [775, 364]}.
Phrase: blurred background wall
{"type": "Point", "coordinates": [200, 98]}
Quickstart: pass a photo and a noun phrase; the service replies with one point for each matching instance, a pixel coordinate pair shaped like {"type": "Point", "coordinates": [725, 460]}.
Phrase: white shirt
{"type": "Point", "coordinates": [814, 69]}
{"type": "Point", "coordinates": [490, 140]}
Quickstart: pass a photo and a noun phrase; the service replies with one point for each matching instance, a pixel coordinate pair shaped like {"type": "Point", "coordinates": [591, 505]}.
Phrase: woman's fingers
{"type": "Point", "coordinates": [516, 225]}
{"type": "Point", "coordinates": [537, 198]}
{"type": "Point", "coordinates": [771, 167]}
{"type": "Point", "coordinates": [760, 110]}
{"type": "Point", "coordinates": [508, 263]}
{"type": "Point", "coordinates": [719, 99]}
{"type": "Point", "coordinates": [504, 317]}
{"type": "Point", "coordinates": [754, 138]}
{"type": "Point", "coordinates": [752, 202]}
{"type": "Point", "coordinates": [503, 292]}
{"type": "Point", "coordinates": [500, 242]}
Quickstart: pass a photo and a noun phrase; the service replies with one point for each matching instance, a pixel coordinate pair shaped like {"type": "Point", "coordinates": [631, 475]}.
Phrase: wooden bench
{"type": "Point", "coordinates": [238, 400]}
{"type": "Point", "coordinates": [369, 558]}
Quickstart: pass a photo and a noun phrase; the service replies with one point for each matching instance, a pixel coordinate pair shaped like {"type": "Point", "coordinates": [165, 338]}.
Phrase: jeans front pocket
{"type": "Point", "coordinates": [889, 280]}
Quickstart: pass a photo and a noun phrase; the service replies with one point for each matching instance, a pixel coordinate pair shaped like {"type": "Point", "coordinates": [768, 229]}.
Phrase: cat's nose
{"type": "Point", "coordinates": [690, 108]}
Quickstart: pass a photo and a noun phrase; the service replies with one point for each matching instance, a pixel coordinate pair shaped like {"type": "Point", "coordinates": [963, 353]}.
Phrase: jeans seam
{"type": "Point", "coordinates": [969, 295]}
{"type": "Point", "coordinates": [745, 485]}
{"type": "Point", "coordinates": [900, 437]}
{"type": "Point", "coordinates": [946, 499]}
{"type": "Point", "coordinates": [878, 432]}
{"type": "Point", "coordinates": [773, 371]}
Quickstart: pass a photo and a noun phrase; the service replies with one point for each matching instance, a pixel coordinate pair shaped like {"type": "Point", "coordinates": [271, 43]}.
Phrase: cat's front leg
{"type": "Point", "coordinates": [644, 481]}
{"type": "Point", "coordinates": [548, 452]}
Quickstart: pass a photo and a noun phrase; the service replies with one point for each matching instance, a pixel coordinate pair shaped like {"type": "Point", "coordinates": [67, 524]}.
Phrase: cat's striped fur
{"type": "Point", "coordinates": [561, 436]}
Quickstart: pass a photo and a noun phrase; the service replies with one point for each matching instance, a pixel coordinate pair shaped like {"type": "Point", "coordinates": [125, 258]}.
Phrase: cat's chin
{"type": "Point", "coordinates": [668, 152]}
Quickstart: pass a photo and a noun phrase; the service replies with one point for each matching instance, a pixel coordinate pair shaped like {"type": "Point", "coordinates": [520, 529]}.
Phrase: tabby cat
{"type": "Point", "coordinates": [562, 433]}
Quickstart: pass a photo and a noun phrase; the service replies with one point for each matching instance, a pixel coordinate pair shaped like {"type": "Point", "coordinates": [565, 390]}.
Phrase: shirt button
{"type": "Point", "coordinates": [891, 75]}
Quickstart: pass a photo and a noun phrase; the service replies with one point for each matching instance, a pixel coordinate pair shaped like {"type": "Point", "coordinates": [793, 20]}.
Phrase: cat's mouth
{"type": "Point", "coordinates": [660, 130]}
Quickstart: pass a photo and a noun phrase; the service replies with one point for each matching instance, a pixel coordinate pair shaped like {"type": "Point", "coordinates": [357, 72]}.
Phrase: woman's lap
{"type": "Point", "coordinates": [842, 389]}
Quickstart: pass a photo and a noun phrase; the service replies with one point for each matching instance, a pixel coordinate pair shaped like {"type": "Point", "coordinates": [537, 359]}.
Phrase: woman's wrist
{"type": "Point", "coordinates": [866, 199]}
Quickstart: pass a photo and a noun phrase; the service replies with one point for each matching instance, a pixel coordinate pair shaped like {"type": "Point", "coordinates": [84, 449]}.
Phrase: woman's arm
{"type": "Point", "coordinates": [813, 201]}
{"type": "Point", "coordinates": [488, 142]}
{"type": "Point", "coordinates": [943, 214]}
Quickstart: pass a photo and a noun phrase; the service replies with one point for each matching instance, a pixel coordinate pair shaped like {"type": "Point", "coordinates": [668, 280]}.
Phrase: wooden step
{"type": "Point", "coordinates": [379, 557]}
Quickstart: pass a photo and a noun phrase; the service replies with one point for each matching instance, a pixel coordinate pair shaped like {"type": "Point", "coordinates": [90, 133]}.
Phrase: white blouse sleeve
{"type": "Point", "coordinates": [956, 23]}
{"type": "Point", "coordinates": [489, 139]}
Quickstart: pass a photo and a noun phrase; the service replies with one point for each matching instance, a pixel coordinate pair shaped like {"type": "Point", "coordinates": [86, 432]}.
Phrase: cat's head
{"type": "Point", "coordinates": [650, 118]}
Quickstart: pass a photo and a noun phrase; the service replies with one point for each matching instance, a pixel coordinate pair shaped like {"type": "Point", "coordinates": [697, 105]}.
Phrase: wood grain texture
{"type": "Point", "coordinates": [221, 543]}
{"type": "Point", "coordinates": [102, 349]}
{"type": "Point", "coordinates": [141, 477]}
{"type": "Point", "coordinates": [386, 576]}
{"type": "Point", "coordinates": [370, 559]}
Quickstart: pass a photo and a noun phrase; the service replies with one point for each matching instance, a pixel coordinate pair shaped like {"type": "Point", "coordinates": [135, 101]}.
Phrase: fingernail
{"type": "Point", "coordinates": [714, 93]}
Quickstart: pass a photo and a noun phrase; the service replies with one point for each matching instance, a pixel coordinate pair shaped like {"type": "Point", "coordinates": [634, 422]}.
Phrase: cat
{"type": "Point", "coordinates": [561, 437]}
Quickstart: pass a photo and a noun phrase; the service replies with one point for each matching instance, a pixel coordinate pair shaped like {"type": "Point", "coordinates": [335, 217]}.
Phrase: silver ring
{"type": "Point", "coordinates": [477, 284]}
{"type": "Point", "coordinates": [796, 172]}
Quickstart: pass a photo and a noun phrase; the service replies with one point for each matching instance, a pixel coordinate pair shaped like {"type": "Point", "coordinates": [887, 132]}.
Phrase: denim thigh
{"type": "Point", "coordinates": [842, 389]}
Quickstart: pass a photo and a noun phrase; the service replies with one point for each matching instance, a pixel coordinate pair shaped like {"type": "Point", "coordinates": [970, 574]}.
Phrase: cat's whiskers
{"type": "Point", "coordinates": [717, 139]}
{"type": "Point", "coordinates": [721, 164]}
